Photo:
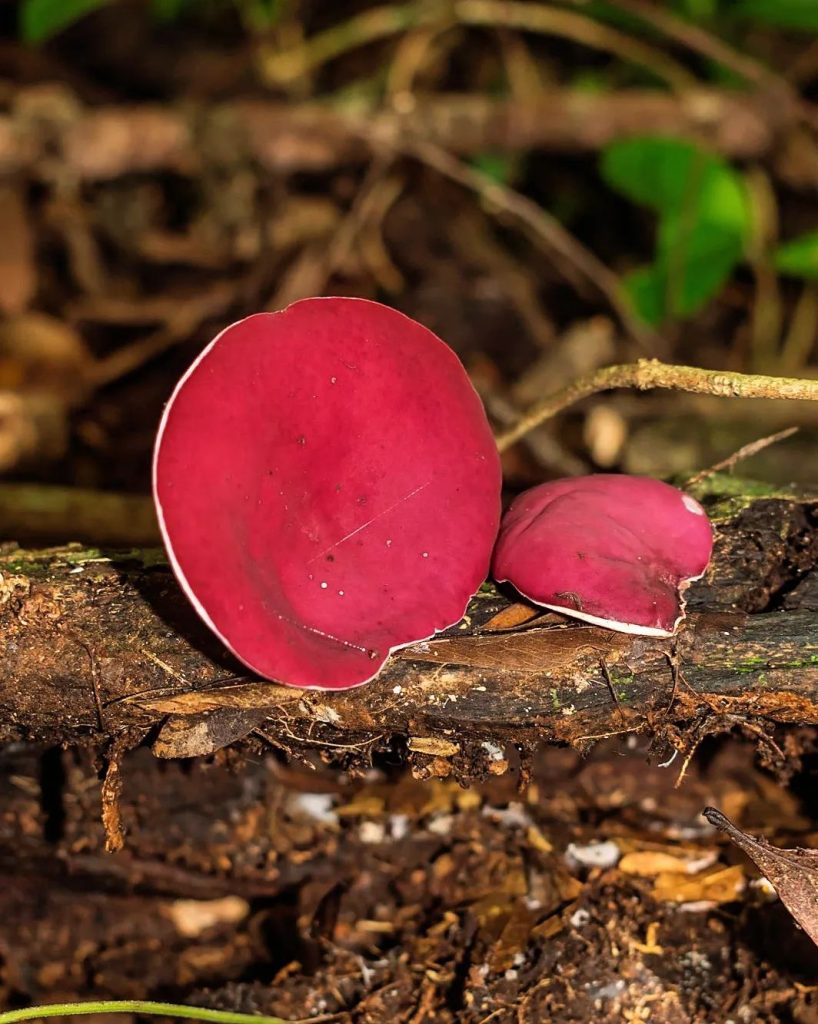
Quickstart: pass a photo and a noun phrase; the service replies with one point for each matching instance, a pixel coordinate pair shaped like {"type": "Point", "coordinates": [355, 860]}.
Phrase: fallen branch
{"type": "Point", "coordinates": [76, 626]}
{"type": "Point", "coordinates": [49, 132]}
{"type": "Point", "coordinates": [40, 513]}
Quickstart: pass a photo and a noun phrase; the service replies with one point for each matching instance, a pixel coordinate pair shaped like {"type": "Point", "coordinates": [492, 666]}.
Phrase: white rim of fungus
{"type": "Point", "coordinates": [692, 505]}
{"type": "Point", "coordinates": [633, 629]}
{"type": "Point", "coordinates": [620, 627]}
{"type": "Point", "coordinates": [160, 514]}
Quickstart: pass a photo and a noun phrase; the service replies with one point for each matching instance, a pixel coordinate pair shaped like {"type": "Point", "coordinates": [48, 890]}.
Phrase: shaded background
{"type": "Point", "coordinates": [550, 187]}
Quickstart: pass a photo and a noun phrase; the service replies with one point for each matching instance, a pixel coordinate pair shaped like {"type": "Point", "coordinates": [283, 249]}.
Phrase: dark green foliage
{"type": "Point", "coordinates": [799, 257]}
{"type": "Point", "coordinates": [704, 221]}
{"type": "Point", "coordinates": [41, 19]}
{"type": "Point", "coordinates": [795, 14]}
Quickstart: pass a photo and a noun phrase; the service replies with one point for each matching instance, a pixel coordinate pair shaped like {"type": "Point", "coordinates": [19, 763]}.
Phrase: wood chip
{"type": "Point", "coordinates": [434, 746]}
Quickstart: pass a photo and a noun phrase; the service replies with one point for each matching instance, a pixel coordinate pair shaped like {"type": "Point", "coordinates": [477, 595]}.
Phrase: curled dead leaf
{"type": "Point", "coordinates": [792, 872]}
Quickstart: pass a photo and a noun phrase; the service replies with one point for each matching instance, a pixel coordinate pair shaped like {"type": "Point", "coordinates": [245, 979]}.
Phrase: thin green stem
{"type": "Point", "coordinates": [135, 1006]}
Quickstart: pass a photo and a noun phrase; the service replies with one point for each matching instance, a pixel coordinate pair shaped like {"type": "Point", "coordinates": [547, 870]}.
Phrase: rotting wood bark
{"type": "Point", "coordinates": [93, 646]}
{"type": "Point", "coordinates": [50, 132]}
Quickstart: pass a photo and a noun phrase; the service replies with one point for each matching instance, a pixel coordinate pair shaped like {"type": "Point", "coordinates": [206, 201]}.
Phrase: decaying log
{"type": "Point", "coordinates": [49, 132]}
{"type": "Point", "coordinates": [95, 646]}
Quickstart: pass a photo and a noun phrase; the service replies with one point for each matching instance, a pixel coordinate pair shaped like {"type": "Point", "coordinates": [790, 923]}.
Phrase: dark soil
{"type": "Point", "coordinates": [598, 893]}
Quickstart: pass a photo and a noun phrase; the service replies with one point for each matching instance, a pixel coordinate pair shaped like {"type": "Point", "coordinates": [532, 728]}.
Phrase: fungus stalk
{"type": "Point", "coordinates": [647, 374]}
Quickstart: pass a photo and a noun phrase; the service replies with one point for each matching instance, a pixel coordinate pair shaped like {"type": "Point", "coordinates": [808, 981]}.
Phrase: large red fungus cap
{"type": "Point", "coordinates": [617, 551]}
{"type": "Point", "coordinates": [328, 489]}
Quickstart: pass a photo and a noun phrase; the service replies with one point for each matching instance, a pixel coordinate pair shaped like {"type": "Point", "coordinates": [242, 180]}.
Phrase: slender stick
{"type": "Point", "coordinates": [747, 451]}
{"type": "Point", "coordinates": [650, 373]}
{"type": "Point", "coordinates": [701, 41]}
{"type": "Point", "coordinates": [543, 228]}
{"type": "Point", "coordinates": [382, 22]}
{"type": "Point", "coordinates": [136, 1006]}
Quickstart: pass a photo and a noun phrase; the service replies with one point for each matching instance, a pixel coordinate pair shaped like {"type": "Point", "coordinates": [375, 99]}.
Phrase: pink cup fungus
{"type": "Point", "coordinates": [328, 489]}
{"type": "Point", "coordinates": [617, 551]}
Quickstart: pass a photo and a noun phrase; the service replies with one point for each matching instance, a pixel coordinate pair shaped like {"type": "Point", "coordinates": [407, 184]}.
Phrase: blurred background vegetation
{"type": "Point", "coordinates": [549, 186]}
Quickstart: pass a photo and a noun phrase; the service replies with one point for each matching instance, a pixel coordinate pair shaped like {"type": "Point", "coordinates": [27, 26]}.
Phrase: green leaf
{"type": "Point", "coordinates": [797, 14]}
{"type": "Point", "coordinates": [681, 282]}
{"type": "Point", "coordinates": [646, 287]}
{"type": "Point", "coordinates": [42, 19]}
{"type": "Point", "coordinates": [260, 15]}
{"type": "Point", "coordinates": [699, 10]}
{"type": "Point", "coordinates": [798, 257]}
{"type": "Point", "coordinates": [168, 10]}
{"type": "Point", "coordinates": [500, 167]}
{"type": "Point", "coordinates": [696, 263]}
{"type": "Point", "coordinates": [704, 221]}
{"type": "Point", "coordinates": [666, 174]}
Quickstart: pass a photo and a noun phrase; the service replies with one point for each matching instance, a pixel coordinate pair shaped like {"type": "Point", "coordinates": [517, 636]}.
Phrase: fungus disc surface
{"type": "Point", "coordinates": [328, 489]}
{"type": "Point", "coordinates": [614, 550]}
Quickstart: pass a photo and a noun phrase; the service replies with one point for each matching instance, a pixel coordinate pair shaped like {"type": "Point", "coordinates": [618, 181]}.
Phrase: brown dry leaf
{"type": "Point", "coordinates": [492, 912]}
{"type": "Point", "coordinates": [532, 650]}
{"type": "Point", "coordinates": [536, 839]}
{"type": "Point", "coordinates": [246, 696]}
{"type": "Point", "coordinates": [40, 350]}
{"type": "Point", "coordinates": [111, 806]}
{"type": "Point", "coordinates": [18, 274]}
{"type": "Point", "coordinates": [200, 735]}
{"type": "Point", "coordinates": [508, 618]}
{"type": "Point", "coordinates": [793, 873]}
{"type": "Point", "coordinates": [724, 885]}
{"type": "Point", "coordinates": [513, 938]}
{"type": "Point", "coordinates": [362, 806]}
{"type": "Point", "coordinates": [192, 918]}
{"type": "Point", "coordinates": [552, 925]}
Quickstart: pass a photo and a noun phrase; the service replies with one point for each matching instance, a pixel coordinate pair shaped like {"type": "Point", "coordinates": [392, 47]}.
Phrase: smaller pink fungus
{"type": "Point", "coordinates": [618, 551]}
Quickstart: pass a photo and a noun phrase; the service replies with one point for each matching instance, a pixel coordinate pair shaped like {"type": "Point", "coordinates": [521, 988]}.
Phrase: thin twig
{"type": "Point", "coordinates": [699, 40]}
{"type": "Point", "coordinates": [309, 275]}
{"type": "Point", "coordinates": [686, 763]}
{"type": "Point", "coordinates": [607, 677]}
{"type": "Point", "coordinates": [544, 229]}
{"type": "Point", "coordinates": [695, 38]}
{"type": "Point", "coordinates": [386, 21]}
{"type": "Point", "coordinates": [647, 374]}
{"type": "Point", "coordinates": [799, 341]}
{"type": "Point", "coordinates": [674, 660]}
{"type": "Point", "coordinates": [190, 314]}
{"type": "Point", "coordinates": [745, 452]}
{"type": "Point", "coordinates": [547, 20]}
